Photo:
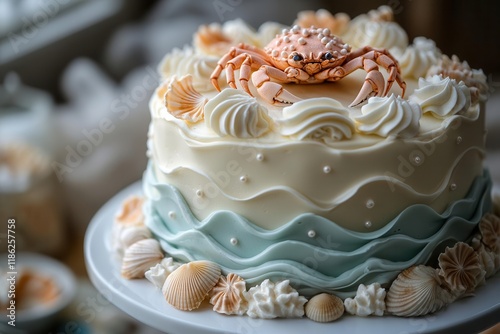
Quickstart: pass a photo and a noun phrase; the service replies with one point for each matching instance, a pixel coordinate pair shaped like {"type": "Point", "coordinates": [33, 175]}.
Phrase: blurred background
{"type": "Point", "coordinates": [75, 80]}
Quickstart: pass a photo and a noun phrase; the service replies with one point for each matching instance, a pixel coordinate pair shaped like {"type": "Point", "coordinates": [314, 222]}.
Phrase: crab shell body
{"type": "Point", "coordinates": [303, 56]}
{"type": "Point", "coordinates": [310, 49]}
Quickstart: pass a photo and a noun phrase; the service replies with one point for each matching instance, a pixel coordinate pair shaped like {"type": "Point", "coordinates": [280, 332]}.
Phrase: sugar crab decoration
{"type": "Point", "coordinates": [304, 56]}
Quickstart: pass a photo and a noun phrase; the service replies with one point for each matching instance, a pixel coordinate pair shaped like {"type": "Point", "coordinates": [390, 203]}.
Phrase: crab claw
{"type": "Point", "coordinates": [275, 94]}
{"type": "Point", "coordinates": [374, 85]}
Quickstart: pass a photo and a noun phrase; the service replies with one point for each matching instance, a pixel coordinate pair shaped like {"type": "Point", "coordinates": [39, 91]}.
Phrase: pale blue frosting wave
{"type": "Point", "coordinates": [335, 260]}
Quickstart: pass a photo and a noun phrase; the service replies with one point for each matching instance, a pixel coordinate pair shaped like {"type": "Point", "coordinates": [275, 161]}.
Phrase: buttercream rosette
{"type": "Point", "coordinates": [235, 113]}
{"type": "Point", "coordinates": [443, 97]}
{"type": "Point", "coordinates": [389, 116]}
{"type": "Point", "coordinates": [418, 58]}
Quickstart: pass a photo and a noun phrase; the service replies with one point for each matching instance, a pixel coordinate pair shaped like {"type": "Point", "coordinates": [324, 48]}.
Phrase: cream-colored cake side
{"type": "Point", "coordinates": [273, 178]}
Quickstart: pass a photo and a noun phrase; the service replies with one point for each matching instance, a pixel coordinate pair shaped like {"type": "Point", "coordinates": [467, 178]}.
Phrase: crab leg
{"type": "Point", "coordinates": [245, 57]}
{"type": "Point", "coordinates": [273, 92]}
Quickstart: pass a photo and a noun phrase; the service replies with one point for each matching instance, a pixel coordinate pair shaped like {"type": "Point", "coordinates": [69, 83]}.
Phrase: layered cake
{"type": "Point", "coordinates": [329, 161]}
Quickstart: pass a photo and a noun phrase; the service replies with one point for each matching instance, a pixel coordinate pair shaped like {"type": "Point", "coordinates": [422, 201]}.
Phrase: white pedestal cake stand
{"type": "Point", "coordinates": [141, 300]}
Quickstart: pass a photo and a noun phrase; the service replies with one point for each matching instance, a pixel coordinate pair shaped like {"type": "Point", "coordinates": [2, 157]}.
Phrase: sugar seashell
{"type": "Point", "coordinates": [461, 268]}
{"type": "Point", "coordinates": [131, 235]}
{"type": "Point", "coordinates": [417, 291]}
{"type": "Point", "coordinates": [130, 213]}
{"type": "Point", "coordinates": [183, 101]}
{"type": "Point", "coordinates": [227, 295]}
{"type": "Point", "coordinates": [489, 261]}
{"type": "Point", "coordinates": [139, 257]}
{"type": "Point", "coordinates": [324, 308]}
{"type": "Point", "coordinates": [490, 231]}
{"type": "Point", "coordinates": [189, 284]}
{"type": "Point", "coordinates": [211, 40]}
{"type": "Point", "coordinates": [369, 300]}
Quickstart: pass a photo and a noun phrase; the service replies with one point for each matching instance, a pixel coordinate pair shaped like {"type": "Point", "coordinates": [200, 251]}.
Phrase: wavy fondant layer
{"type": "Point", "coordinates": [316, 254]}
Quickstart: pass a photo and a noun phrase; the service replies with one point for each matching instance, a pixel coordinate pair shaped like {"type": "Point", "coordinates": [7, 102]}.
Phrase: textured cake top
{"type": "Point", "coordinates": [235, 82]}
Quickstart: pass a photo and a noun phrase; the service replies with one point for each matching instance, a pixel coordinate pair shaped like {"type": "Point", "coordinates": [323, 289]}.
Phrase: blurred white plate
{"type": "Point", "coordinates": [37, 318]}
{"type": "Point", "coordinates": [143, 301]}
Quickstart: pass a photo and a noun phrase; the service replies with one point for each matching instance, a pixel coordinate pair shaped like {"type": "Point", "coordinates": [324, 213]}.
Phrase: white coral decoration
{"type": "Point", "coordinates": [159, 273]}
{"type": "Point", "coordinates": [274, 300]}
{"type": "Point", "coordinates": [369, 300]}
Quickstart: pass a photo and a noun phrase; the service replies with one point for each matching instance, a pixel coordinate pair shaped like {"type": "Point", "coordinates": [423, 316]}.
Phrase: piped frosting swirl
{"type": "Point", "coordinates": [416, 60]}
{"type": "Point", "coordinates": [442, 97]}
{"type": "Point", "coordinates": [236, 114]}
{"type": "Point", "coordinates": [321, 119]}
{"type": "Point", "coordinates": [186, 61]}
{"type": "Point", "coordinates": [389, 116]}
{"type": "Point", "coordinates": [377, 30]}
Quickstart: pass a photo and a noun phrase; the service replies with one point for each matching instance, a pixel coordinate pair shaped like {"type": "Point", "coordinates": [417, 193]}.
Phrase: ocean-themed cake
{"type": "Point", "coordinates": [288, 163]}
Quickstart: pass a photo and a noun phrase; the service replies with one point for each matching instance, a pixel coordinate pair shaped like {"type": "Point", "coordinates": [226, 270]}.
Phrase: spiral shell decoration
{"type": "Point", "coordinates": [227, 295]}
{"type": "Point", "coordinates": [324, 308]}
{"type": "Point", "coordinates": [188, 285]}
{"type": "Point", "coordinates": [139, 257]}
{"type": "Point", "coordinates": [417, 291]}
{"type": "Point", "coordinates": [461, 268]}
{"type": "Point", "coordinates": [183, 101]}
{"type": "Point", "coordinates": [490, 231]}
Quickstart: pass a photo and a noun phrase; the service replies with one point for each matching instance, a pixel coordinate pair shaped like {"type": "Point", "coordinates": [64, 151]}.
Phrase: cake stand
{"type": "Point", "coordinates": [140, 299]}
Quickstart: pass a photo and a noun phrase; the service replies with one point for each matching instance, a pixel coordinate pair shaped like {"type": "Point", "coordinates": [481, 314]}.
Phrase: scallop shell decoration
{"type": "Point", "coordinates": [490, 231]}
{"type": "Point", "coordinates": [211, 40]}
{"type": "Point", "coordinates": [320, 119]}
{"type": "Point", "coordinates": [130, 213]}
{"type": "Point", "coordinates": [139, 257]}
{"type": "Point", "coordinates": [323, 18]}
{"type": "Point", "coordinates": [131, 235]}
{"type": "Point", "coordinates": [460, 267]}
{"type": "Point", "coordinates": [227, 295]}
{"type": "Point", "coordinates": [324, 308]}
{"type": "Point", "coordinates": [236, 114]}
{"type": "Point", "coordinates": [183, 101]}
{"type": "Point", "coordinates": [417, 291]}
{"type": "Point", "coordinates": [188, 285]}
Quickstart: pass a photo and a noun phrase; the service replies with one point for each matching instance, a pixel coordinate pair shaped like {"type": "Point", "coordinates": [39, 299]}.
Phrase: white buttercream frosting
{"type": "Point", "coordinates": [369, 300]}
{"type": "Point", "coordinates": [461, 71]}
{"type": "Point", "coordinates": [389, 116]}
{"type": "Point", "coordinates": [268, 31]}
{"type": "Point", "coordinates": [274, 300]}
{"type": "Point", "coordinates": [234, 113]}
{"type": "Point", "coordinates": [159, 273]}
{"type": "Point", "coordinates": [376, 30]}
{"type": "Point", "coordinates": [322, 119]}
{"type": "Point", "coordinates": [418, 58]}
{"type": "Point", "coordinates": [181, 62]}
{"type": "Point", "coordinates": [240, 32]}
{"type": "Point", "coordinates": [156, 275]}
{"type": "Point", "coordinates": [442, 96]}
